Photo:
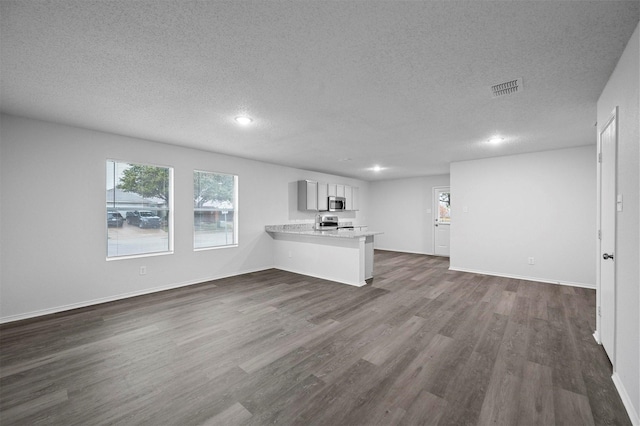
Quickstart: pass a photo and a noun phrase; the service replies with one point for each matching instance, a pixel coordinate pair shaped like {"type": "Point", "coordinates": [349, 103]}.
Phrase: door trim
{"type": "Point", "coordinates": [613, 117]}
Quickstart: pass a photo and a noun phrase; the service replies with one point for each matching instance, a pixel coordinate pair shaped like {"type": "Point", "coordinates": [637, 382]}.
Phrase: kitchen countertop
{"type": "Point", "coordinates": [307, 229]}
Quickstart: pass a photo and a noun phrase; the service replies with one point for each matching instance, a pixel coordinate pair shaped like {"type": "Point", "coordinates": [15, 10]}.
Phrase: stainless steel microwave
{"type": "Point", "coordinates": [337, 204]}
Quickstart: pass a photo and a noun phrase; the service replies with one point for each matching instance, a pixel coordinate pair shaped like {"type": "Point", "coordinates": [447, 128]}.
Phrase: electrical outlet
{"type": "Point", "coordinates": [532, 261]}
{"type": "Point", "coordinates": [143, 270]}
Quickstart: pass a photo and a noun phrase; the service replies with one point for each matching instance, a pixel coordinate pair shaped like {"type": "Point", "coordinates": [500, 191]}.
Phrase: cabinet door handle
{"type": "Point", "coordinates": [607, 256]}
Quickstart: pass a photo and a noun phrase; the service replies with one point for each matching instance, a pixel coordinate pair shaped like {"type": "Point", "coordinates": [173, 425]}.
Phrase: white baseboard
{"type": "Point", "coordinates": [522, 277]}
{"type": "Point", "coordinates": [633, 414]}
{"type": "Point", "coordinates": [86, 303]}
{"type": "Point", "coordinates": [294, 271]}
{"type": "Point", "coordinates": [404, 251]}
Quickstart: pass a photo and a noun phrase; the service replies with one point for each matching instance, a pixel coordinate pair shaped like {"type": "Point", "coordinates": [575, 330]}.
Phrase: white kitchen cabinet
{"type": "Point", "coordinates": [307, 195]}
{"type": "Point", "coordinates": [313, 196]}
{"type": "Point", "coordinates": [323, 200]}
{"type": "Point", "coordinates": [348, 196]}
{"type": "Point", "coordinates": [355, 198]}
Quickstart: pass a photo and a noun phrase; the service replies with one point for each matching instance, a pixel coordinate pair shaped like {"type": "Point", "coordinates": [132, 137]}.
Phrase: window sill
{"type": "Point", "coordinates": [215, 247]}
{"type": "Point", "coordinates": [138, 256]}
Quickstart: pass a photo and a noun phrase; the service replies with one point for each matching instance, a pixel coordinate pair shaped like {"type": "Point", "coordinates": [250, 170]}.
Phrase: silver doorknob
{"type": "Point", "coordinates": [607, 256]}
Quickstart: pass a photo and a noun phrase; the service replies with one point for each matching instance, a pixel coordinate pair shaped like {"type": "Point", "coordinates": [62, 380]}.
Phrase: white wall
{"type": "Point", "coordinates": [52, 217]}
{"type": "Point", "coordinates": [622, 90]}
{"type": "Point", "coordinates": [399, 209]}
{"type": "Point", "coordinates": [538, 205]}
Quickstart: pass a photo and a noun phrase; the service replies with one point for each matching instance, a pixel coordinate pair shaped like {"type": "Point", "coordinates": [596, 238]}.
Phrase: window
{"type": "Point", "coordinates": [215, 210]}
{"type": "Point", "coordinates": [444, 207]}
{"type": "Point", "coordinates": [138, 209]}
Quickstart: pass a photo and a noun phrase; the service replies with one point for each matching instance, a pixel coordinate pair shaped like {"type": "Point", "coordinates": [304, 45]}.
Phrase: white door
{"type": "Point", "coordinates": [442, 216]}
{"type": "Point", "coordinates": [607, 289]}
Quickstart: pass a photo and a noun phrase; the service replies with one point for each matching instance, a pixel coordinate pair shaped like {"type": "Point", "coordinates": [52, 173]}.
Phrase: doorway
{"type": "Point", "coordinates": [442, 223]}
{"type": "Point", "coordinates": [606, 279]}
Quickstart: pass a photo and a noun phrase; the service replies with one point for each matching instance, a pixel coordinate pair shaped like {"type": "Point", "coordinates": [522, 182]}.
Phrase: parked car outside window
{"type": "Point", "coordinates": [115, 219]}
{"type": "Point", "coordinates": [143, 219]}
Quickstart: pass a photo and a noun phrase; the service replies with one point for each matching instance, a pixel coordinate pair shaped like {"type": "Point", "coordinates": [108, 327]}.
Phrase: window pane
{"type": "Point", "coordinates": [137, 209]}
{"type": "Point", "coordinates": [444, 207]}
{"type": "Point", "coordinates": [214, 209]}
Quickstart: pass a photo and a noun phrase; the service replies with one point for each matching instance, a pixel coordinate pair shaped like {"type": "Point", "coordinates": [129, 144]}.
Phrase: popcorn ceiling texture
{"type": "Point", "coordinates": [401, 84]}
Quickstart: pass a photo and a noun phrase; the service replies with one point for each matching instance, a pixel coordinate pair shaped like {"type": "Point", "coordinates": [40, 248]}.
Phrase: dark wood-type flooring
{"type": "Point", "coordinates": [419, 345]}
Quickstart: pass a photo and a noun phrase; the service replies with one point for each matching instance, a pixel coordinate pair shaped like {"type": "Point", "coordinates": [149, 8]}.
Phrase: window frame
{"type": "Point", "coordinates": [170, 214]}
{"type": "Point", "coordinates": [236, 221]}
{"type": "Point", "coordinates": [438, 201]}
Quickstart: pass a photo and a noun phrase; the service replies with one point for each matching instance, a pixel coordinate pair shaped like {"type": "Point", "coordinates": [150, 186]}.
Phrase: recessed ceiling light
{"type": "Point", "coordinates": [495, 139]}
{"type": "Point", "coordinates": [376, 168]}
{"type": "Point", "coordinates": [243, 119]}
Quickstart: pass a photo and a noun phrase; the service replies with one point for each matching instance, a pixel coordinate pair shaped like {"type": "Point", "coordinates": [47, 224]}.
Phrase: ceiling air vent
{"type": "Point", "coordinates": [507, 88]}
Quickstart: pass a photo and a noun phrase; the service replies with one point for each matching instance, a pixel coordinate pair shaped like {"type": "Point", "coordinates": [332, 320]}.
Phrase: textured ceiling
{"type": "Point", "coordinates": [404, 85]}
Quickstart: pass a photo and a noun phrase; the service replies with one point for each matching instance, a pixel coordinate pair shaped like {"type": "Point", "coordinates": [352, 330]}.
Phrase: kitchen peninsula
{"type": "Point", "coordinates": [342, 255]}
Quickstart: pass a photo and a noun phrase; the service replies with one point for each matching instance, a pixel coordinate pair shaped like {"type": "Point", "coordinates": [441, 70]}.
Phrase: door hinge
{"type": "Point", "coordinates": [599, 157]}
{"type": "Point", "coordinates": [599, 311]}
{"type": "Point", "coordinates": [599, 234]}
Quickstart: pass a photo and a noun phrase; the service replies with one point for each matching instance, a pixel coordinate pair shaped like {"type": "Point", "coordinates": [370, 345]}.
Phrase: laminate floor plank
{"type": "Point", "coordinates": [384, 350]}
{"type": "Point", "coordinates": [571, 408]}
{"type": "Point", "coordinates": [345, 309]}
{"type": "Point", "coordinates": [333, 367]}
{"type": "Point", "coordinates": [466, 391]}
{"type": "Point", "coordinates": [566, 363]}
{"type": "Point", "coordinates": [335, 400]}
{"type": "Point", "coordinates": [425, 410]}
{"type": "Point", "coordinates": [274, 380]}
{"type": "Point", "coordinates": [401, 313]}
{"type": "Point", "coordinates": [491, 338]}
{"type": "Point", "coordinates": [514, 347]}
{"type": "Point", "coordinates": [289, 404]}
{"type": "Point", "coordinates": [370, 403]}
{"type": "Point", "coordinates": [408, 386]}
{"type": "Point", "coordinates": [34, 405]}
{"type": "Point", "coordinates": [419, 344]}
{"type": "Point", "coordinates": [283, 348]}
{"type": "Point", "coordinates": [499, 407]}
{"type": "Point", "coordinates": [236, 414]}
{"type": "Point", "coordinates": [535, 401]}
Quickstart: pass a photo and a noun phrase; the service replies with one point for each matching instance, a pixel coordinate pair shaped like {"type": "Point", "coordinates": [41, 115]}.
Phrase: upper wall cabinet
{"type": "Point", "coordinates": [348, 197]}
{"type": "Point", "coordinates": [307, 195]}
{"type": "Point", "coordinates": [313, 196]}
{"type": "Point", "coordinates": [323, 197]}
{"type": "Point", "coordinates": [355, 198]}
{"type": "Point", "coordinates": [352, 197]}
